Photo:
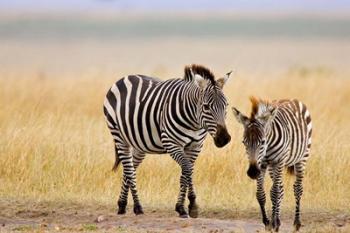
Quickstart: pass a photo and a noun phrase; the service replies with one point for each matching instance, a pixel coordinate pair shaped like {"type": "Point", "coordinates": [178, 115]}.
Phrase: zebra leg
{"type": "Point", "coordinates": [192, 207]}
{"type": "Point", "coordinates": [130, 177]}
{"type": "Point", "coordinates": [120, 152]}
{"type": "Point", "coordinates": [298, 191]}
{"type": "Point", "coordinates": [261, 197]}
{"type": "Point", "coordinates": [179, 157]}
{"type": "Point", "coordinates": [276, 196]}
{"type": "Point", "coordinates": [123, 198]}
{"type": "Point", "coordinates": [137, 158]}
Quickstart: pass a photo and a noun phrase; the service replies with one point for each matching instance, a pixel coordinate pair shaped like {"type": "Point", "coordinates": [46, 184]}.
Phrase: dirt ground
{"type": "Point", "coordinates": [48, 217]}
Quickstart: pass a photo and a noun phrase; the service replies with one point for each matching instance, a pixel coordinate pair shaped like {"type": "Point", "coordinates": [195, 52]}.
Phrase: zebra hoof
{"type": "Point", "coordinates": [138, 209]}
{"type": "Point", "coordinates": [193, 210]}
{"type": "Point", "coordinates": [121, 207]}
{"type": "Point", "coordinates": [297, 226]}
{"type": "Point", "coordinates": [267, 224]}
{"type": "Point", "coordinates": [121, 211]}
{"type": "Point", "coordinates": [276, 225]}
{"type": "Point", "coordinates": [181, 210]}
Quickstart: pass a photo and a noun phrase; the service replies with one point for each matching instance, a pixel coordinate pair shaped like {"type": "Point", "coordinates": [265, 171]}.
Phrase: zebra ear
{"type": "Point", "coordinates": [200, 81]}
{"type": "Point", "coordinates": [240, 117]}
{"type": "Point", "coordinates": [221, 81]}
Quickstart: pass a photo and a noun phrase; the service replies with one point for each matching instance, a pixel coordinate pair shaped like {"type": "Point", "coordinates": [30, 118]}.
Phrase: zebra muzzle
{"type": "Point", "coordinates": [222, 137]}
{"type": "Point", "coordinates": [253, 171]}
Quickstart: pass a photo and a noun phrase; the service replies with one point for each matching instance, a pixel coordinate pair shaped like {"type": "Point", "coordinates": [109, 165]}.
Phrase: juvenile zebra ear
{"type": "Point", "coordinates": [200, 81]}
{"type": "Point", "coordinates": [222, 81]}
{"type": "Point", "coordinates": [240, 117]}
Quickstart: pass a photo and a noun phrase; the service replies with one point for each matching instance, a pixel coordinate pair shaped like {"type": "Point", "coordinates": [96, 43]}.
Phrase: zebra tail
{"type": "Point", "coordinates": [117, 161]}
{"type": "Point", "coordinates": [290, 170]}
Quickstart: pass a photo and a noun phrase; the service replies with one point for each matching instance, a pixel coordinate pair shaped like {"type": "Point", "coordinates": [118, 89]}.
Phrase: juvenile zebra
{"type": "Point", "coordinates": [277, 135]}
{"type": "Point", "coordinates": [146, 115]}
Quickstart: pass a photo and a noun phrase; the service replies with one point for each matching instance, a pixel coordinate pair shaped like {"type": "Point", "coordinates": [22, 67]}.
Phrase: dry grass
{"type": "Point", "coordinates": [54, 145]}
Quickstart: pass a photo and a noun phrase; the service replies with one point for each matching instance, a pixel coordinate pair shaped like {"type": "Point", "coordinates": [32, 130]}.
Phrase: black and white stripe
{"type": "Point", "coordinates": [277, 135]}
{"type": "Point", "coordinates": [146, 115]}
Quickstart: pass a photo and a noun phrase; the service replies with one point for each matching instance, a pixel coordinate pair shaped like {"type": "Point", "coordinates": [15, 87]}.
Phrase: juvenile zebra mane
{"type": "Point", "coordinates": [200, 70]}
{"type": "Point", "coordinates": [259, 106]}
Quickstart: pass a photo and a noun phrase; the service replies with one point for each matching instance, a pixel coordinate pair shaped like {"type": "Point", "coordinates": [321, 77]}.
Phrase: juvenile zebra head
{"type": "Point", "coordinates": [255, 133]}
{"type": "Point", "coordinates": [211, 109]}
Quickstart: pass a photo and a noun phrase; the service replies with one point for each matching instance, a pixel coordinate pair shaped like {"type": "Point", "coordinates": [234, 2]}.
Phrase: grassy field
{"type": "Point", "coordinates": [55, 146]}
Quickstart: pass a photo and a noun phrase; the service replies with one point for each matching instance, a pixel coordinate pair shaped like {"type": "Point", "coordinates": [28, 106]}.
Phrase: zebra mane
{"type": "Point", "coordinates": [194, 69]}
{"type": "Point", "coordinates": [259, 106]}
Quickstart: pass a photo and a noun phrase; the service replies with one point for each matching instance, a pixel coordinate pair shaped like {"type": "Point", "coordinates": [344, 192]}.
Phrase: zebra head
{"type": "Point", "coordinates": [255, 134]}
{"type": "Point", "coordinates": [212, 104]}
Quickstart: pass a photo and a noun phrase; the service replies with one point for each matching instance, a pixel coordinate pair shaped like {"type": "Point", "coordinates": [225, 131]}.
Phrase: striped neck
{"type": "Point", "coordinates": [192, 103]}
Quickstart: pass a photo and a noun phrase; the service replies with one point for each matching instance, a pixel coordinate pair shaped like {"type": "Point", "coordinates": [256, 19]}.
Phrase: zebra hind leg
{"type": "Point", "coordinates": [130, 178]}
{"type": "Point", "coordinates": [137, 158]}
{"type": "Point", "coordinates": [123, 198]}
{"type": "Point", "coordinates": [298, 191]}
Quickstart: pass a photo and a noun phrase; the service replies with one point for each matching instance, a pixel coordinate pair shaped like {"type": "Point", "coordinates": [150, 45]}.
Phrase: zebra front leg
{"type": "Point", "coordinates": [261, 197]}
{"type": "Point", "coordinates": [185, 172]}
{"type": "Point", "coordinates": [298, 191]}
{"type": "Point", "coordinates": [276, 196]}
{"type": "Point", "coordinates": [179, 207]}
{"type": "Point", "coordinates": [130, 174]}
{"type": "Point", "coordinates": [192, 207]}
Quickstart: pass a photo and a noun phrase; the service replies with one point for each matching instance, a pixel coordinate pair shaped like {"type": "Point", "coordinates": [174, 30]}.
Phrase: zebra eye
{"type": "Point", "coordinates": [206, 106]}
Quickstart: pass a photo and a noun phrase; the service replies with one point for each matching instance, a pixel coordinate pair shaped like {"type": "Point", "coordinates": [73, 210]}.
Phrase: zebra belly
{"type": "Point", "coordinates": [137, 113]}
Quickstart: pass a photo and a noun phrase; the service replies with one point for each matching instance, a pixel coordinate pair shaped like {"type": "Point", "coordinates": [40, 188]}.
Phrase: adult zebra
{"type": "Point", "coordinates": [277, 135]}
{"type": "Point", "coordinates": [146, 115]}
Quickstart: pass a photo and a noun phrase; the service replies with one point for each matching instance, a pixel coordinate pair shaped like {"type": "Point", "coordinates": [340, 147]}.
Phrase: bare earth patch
{"type": "Point", "coordinates": [48, 217]}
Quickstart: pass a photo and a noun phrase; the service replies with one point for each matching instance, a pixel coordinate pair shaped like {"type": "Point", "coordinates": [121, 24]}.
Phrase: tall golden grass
{"type": "Point", "coordinates": [54, 144]}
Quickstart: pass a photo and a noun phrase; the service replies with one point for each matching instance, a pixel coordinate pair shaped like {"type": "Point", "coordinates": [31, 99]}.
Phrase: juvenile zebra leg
{"type": "Point", "coordinates": [130, 174]}
{"type": "Point", "coordinates": [192, 207]}
{"type": "Point", "coordinates": [276, 196]}
{"type": "Point", "coordinates": [179, 157]}
{"type": "Point", "coordinates": [261, 197]}
{"type": "Point", "coordinates": [298, 191]}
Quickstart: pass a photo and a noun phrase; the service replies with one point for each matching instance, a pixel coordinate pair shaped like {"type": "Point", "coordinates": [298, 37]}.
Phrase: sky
{"type": "Point", "coordinates": [177, 5]}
